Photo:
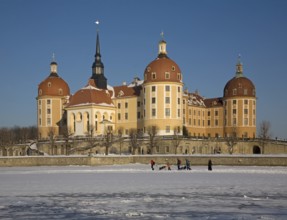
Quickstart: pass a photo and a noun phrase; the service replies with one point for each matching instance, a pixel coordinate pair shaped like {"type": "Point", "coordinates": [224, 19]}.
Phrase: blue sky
{"type": "Point", "coordinates": [204, 37]}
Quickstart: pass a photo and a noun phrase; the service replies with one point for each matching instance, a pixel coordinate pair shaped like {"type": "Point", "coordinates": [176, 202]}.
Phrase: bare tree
{"type": "Point", "coordinates": [176, 139]}
{"type": "Point", "coordinates": [153, 140]}
{"type": "Point", "coordinates": [134, 139]}
{"type": "Point", "coordinates": [67, 133]}
{"type": "Point", "coordinates": [108, 140]}
{"type": "Point", "coordinates": [17, 135]}
{"type": "Point", "coordinates": [52, 136]}
{"type": "Point", "coordinates": [264, 133]}
{"type": "Point", "coordinates": [120, 137]}
{"type": "Point", "coordinates": [231, 141]}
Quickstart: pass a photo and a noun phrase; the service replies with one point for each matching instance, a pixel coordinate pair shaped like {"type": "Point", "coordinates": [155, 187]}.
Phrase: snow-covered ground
{"type": "Point", "coordinates": [136, 192]}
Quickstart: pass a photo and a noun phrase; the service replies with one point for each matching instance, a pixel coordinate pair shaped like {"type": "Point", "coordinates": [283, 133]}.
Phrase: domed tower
{"type": "Point", "coordinates": [162, 94]}
{"type": "Point", "coordinates": [240, 106]}
{"type": "Point", "coordinates": [53, 95]}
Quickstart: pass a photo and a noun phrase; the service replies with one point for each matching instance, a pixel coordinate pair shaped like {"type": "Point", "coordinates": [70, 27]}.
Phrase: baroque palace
{"type": "Point", "coordinates": [158, 101]}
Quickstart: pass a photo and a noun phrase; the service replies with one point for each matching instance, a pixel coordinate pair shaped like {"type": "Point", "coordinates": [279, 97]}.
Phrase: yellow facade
{"type": "Point", "coordinates": [160, 102]}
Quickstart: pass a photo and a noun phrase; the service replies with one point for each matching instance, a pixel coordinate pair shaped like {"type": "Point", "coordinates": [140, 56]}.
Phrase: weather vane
{"type": "Point", "coordinates": [97, 22]}
{"type": "Point", "coordinates": [239, 58]}
{"type": "Point", "coordinates": [53, 57]}
{"type": "Point", "coordinates": [162, 34]}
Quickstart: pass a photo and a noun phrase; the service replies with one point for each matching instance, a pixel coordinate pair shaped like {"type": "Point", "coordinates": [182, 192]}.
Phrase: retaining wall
{"type": "Point", "coordinates": [230, 160]}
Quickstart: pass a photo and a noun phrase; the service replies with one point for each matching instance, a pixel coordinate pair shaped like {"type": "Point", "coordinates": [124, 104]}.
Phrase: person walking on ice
{"type": "Point", "coordinates": [187, 163]}
{"type": "Point", "coordinates": [209, 165]}
{"type": "Point", "coordinates": [152, 163]}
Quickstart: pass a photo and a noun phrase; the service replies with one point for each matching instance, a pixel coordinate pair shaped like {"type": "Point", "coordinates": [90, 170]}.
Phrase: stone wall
{"type": "Point", "coordinates": [163, 146]}
{"type": "Point", "coordinates": [230, 160]}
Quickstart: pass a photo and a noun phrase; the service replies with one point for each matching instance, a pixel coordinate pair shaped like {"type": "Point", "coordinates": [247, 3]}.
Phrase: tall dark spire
{"type": "Point", "coordinates": [98, 66]}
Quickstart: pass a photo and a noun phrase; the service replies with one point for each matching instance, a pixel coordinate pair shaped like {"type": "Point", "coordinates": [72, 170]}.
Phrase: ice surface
{"type": "Point", "coordinates": [136, 192]}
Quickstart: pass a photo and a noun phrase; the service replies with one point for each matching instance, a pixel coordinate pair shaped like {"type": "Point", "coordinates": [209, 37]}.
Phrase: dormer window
{"type": "Point", "coordinates": [173, 68]}
{"type": "Point", "coordinates": [234, 91]}
{"type": "Point", "coordinates": [153, 75]}
{"type": "Point", "coordinates": [49, 84]}
{"type": "Point", "coordinates": [178, 76]}
{"type": "Point", "coordinates": [121, 93]}
{"type": "Point", "coordinates": [167, 75]}
{"type": "Point", "coordinates": [60, 91]}
{"type": "Point", "coordinates": [148, 69]}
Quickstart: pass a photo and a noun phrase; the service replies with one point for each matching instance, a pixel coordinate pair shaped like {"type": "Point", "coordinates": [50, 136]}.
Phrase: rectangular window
{"type": "Point", "coordinates": [119, 105]}
{"type": "Point", "coordinates": [183, 111]}
{"type": "Point", "coordinates": [139, 104]}
{"type": "Point", "coordinates": [208, 123]}
{"type": "Point", "coordinates": [194, 123]}
{"type": "Point", "coordinates": [234, 121]}
{"type": "Point", "coordinates": [39, 102]}
{"type": "Point", "coordinates": [234, 102]}
{"type": "Point", "coordinates": [167, 112]}
{"type": "Point", "coordinates": [234, 111]}
{"type": "Point", "coordinates": [153, 88]}
{"type": "Point", "coordinates": [178, 112]}
{"type": "Point", "coordinates": [167, 88]}
{"type": "Point", "coordinates": [126, 116]}
{"type": "Point", "coordinates": [246, 102]}
{"type": "Point", "coordinates": [40, 121]}
{"type": "Point", "coordinates": [48, 121]}
{"type": "Point", "coordinates": [48, 101]}
{"type": "Point", "coordinates": [216, 113]}
{"type": "Point", "coordinates": [48, 111]}
{"type": "Point", "coordinates": [216, 122]}
{"type": "Point", "coordinates": [245, 121]}
{"type": "Point", "coordinates": [198, 122]}
{"type": "Point", "coordinates": [119, 116]}
{"type": "Point", "coordinates": [198, 113]}
{"type": "Point", "coordinates": [167, 100]}
{"type": "Point", "coordinates": [153, 112]}
{"type": "Point", "coordinates": [208, 113]}
{"type": "Point", "coordinates": [245, 111]}
{"type": "Point", "coordinates": [189, 121]}
{"type": "Point", "coordinates": [178, 101]}
{"type": "Point", "coordinates": [153, 100]}
{"type": "Point", "coordinates": [139, 115]}
{"type": "Point", "coordinates": [126, 105]}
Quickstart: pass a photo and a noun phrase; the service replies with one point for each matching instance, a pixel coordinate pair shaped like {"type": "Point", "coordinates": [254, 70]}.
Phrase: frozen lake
{"type": "Point", "coordinates": [136, 192]}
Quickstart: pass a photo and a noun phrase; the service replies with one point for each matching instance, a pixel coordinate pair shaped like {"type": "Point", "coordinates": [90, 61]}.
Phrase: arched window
{"type": "Point", "coordinates": [79, 117]}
